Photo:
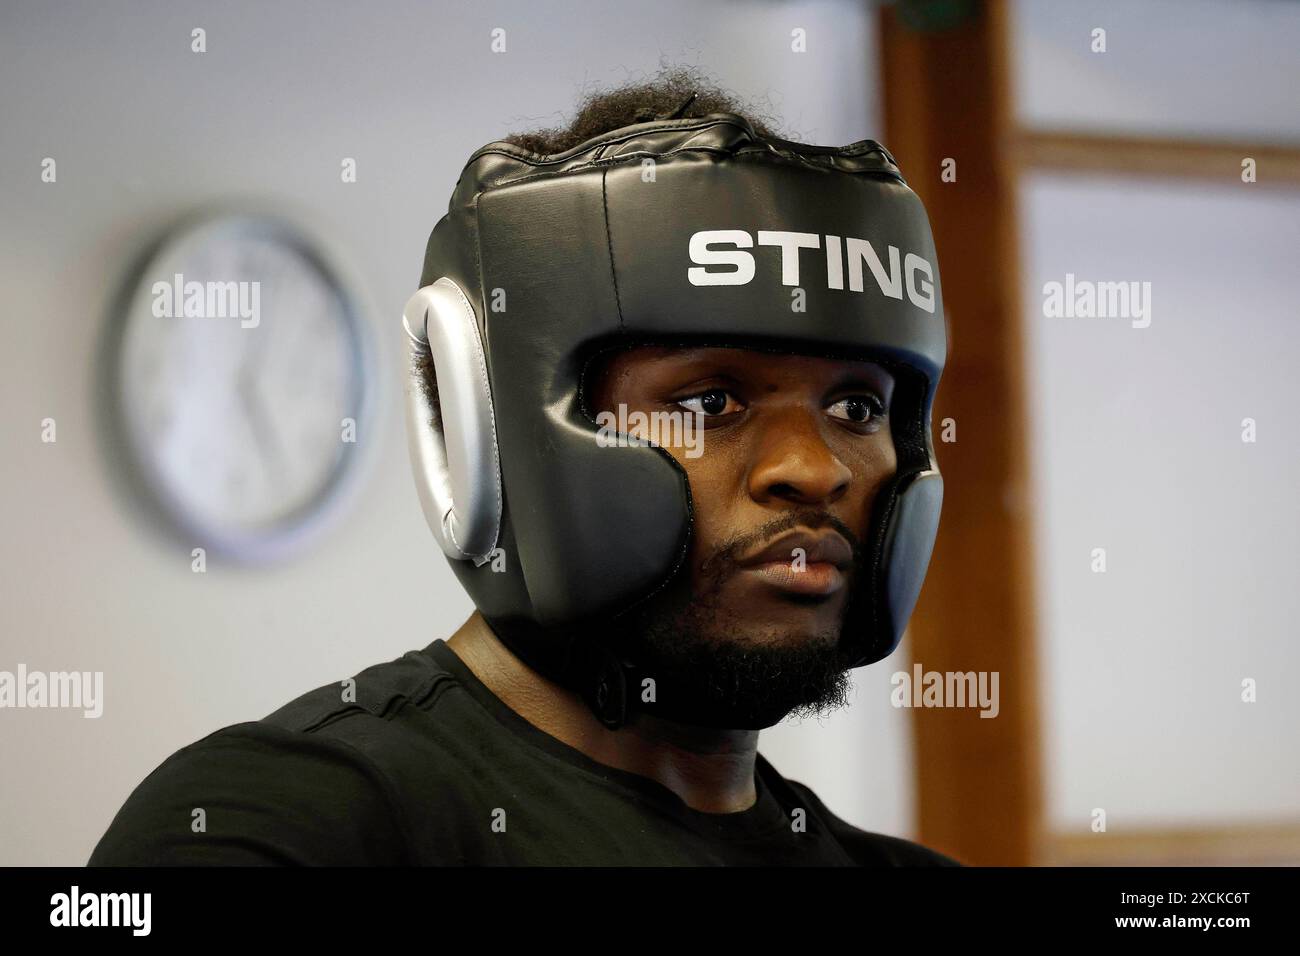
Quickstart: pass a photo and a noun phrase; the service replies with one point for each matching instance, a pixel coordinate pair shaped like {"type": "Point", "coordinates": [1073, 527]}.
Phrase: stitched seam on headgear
{"type": "Point", "coordinates": [907, 471]}
{"type": "Point", "coordinates": [482, 350]}
{"type": "Point", "coordinates": [879, 597]}
{"type": "Point", "coordinates": [853, 150]}
{"type": "Point", "coordinates": [613, 136]}
{"type": "Point", "coordinates": [755, 154]}
{"type": "Point", "coordinates": [684, 549]}
{"type": "Point", "coordinates": [745, 153]}
{"type": "Point", "coordinates": [478, 262]}
{"type": "Point", "coordinates": [606, 162]}
{"type": "Point", "coordinates": [492, 420]}
{"type": "Point", "coordinates": [600, 145]}
{"type": "Point", "coordinates": [451, 530]}
{"type": "Point", "coordinates": [609, 246]}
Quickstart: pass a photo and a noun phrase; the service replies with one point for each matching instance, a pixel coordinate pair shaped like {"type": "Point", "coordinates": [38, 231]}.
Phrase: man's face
{"type": "Point", "coordinates": [793, 452]}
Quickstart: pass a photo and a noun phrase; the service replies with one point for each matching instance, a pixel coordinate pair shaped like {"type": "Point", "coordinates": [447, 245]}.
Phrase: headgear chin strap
{"type": "Point", "coordinates": [682, 229]}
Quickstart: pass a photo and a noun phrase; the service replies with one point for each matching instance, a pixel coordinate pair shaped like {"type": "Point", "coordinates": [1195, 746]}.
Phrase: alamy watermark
{"type": "Point", "coordinates": [80, 690]}
{"type": "Point", "coordinates": [1084, 299]}
{"type": "Point", "coordinates": [923, 688]}
{"type": "Point", "coordinates": [130, 910]}
{"type": "Point", "coordinates": [675, 429]}
{"type": "Point", "coordinates": [208, 300]}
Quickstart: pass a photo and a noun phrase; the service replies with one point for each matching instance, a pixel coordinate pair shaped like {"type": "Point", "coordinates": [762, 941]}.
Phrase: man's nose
{"type": "Point", "coordinates": [792, 461]}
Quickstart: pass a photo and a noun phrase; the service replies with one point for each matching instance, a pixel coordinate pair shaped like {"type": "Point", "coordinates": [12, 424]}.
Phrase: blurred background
{"type": "Point", "coordinates": [1120, 516]}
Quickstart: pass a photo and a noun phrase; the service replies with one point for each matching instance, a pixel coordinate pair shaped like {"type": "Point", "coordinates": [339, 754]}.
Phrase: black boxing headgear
{"type": "Point", "coordinates": [690, 229]}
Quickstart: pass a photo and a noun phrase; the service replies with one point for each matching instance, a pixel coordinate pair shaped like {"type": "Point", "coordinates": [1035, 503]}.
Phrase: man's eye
{"type": "Point", "coordinates": [711, 402]}
{"type": "Point", "coordinates": [858, 408]}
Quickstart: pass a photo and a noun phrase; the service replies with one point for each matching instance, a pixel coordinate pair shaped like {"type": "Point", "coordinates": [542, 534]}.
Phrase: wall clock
{"type": "Point", "coordinates": [244, 383]}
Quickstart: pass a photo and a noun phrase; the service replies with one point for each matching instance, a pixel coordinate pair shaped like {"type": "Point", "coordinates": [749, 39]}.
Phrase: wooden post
{"type": "Point", "coordinates": [947, 98]}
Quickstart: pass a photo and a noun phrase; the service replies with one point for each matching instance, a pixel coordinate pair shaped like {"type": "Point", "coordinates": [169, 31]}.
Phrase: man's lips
{"type": "Point", "coordinates": [802, 562]}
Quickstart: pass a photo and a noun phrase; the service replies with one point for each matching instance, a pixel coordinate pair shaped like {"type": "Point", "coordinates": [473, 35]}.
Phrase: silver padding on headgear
{"type": "Point", "coordinates": [457, 466]}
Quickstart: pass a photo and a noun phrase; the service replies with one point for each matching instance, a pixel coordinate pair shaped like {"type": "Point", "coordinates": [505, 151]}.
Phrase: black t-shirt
{"type": "Point", "coordinates": [428, 767]}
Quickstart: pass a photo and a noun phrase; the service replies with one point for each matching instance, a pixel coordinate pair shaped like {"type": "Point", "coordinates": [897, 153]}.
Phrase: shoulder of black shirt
{"type": "Point", "coordinates": [360, 797]}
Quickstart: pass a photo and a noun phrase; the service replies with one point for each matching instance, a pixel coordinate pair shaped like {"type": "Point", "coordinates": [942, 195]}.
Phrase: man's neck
{"type": "Point", "coordinates": [711, 770]}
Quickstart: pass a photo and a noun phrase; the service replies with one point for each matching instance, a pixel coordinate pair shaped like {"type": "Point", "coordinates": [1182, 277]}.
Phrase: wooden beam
{"type": "Point", "coordinates": [978, 780]}
{"type": "Point", "coordinates": [1277, 164]}
{"type": "Point", "coordinates": [1275, 844]}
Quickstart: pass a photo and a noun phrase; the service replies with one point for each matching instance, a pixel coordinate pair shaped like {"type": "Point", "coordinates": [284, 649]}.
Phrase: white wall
{"type": "Point", "coordinates": [1137, 448]}
{"type": "Point", "coordinates": [1219, 68]}
{"type": "Point", "coordinates": [1136, 433]}
{"type": "Point", "coordinates": [143, 130]}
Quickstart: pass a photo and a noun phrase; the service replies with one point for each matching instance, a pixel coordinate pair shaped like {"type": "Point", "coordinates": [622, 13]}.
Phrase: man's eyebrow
{"type": "Point", "coordinates": [722, 377]}
{"type": "Point", "coordinates": [865, 370]}
{"type": "Point", "coordinates": [688, 359]}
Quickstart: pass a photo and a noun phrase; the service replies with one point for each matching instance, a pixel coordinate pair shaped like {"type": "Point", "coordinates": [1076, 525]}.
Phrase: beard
{"type": "Point", "coordinates": [709, 666]}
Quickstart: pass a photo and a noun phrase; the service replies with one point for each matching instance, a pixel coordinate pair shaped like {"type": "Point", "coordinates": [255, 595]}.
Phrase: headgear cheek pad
{"type": "Point", "coordinates": [692, 230]}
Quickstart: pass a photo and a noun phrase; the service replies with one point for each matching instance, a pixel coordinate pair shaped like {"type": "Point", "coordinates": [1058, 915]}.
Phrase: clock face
{"type": "Point", "coordinates": [242, 384]}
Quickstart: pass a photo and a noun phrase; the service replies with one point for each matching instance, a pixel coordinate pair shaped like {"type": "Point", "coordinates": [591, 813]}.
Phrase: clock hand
{"type": "Point", "coordinates": [263, 434]}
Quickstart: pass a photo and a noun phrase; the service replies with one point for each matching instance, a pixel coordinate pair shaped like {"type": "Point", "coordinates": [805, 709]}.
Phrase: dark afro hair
{"type": "Point", "coordinates": [676, 92]}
